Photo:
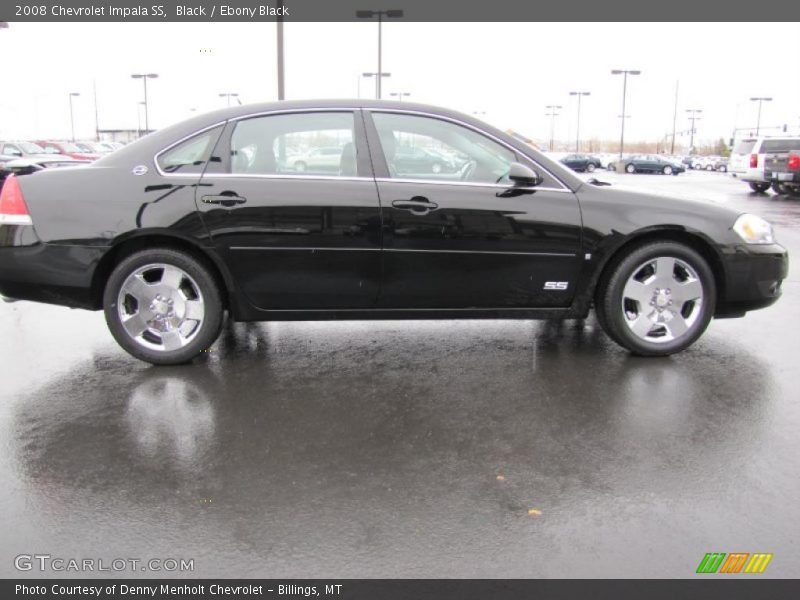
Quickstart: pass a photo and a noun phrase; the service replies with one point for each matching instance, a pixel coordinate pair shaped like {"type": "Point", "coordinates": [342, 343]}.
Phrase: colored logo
{"type": "Point", "coordinates": [735, 562]}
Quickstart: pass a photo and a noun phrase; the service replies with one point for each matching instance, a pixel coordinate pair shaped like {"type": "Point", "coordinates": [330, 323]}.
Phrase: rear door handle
{"type": "Point", "coordinates": [225, 199]}
{"type": "Point", "coordinates": [418, 205]}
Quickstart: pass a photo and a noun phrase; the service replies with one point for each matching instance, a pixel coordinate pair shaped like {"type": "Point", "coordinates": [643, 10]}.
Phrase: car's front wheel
{"type": "Point", "coordinates": [163, 306]}
{"type": "Point", "coordinates": [590, 167]}
{"type": "Point", "coordinates": [658, 299]}
{"type": "Point", "coordinates": [630, 169]}
{"type": "Point", "coordinates": [667, 170]}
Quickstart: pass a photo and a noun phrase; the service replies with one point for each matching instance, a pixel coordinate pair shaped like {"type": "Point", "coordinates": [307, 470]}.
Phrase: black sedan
{"type": "Point", "coordinates": [200, 219]}
{"type": "Point", "coordinates": [581, 162]}
{"type": "Point", "coordinates": [652, 163]}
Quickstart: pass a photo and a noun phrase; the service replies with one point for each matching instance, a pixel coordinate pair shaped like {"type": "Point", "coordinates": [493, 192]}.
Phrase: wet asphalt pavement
{"type": "Point", "coordinates": [409, 449]}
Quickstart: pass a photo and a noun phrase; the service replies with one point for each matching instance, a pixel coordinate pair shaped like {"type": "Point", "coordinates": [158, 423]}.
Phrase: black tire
{"type": "Point", "coordinates": [667, 170]}
{"type": "Point", "coordinates": [206, 330]}
{"type": "Point", "coordinates": [722, 169]}
{"type": "Point", "coordinates": [794, 190]}
{"type": "Point", "coordinates": [590, 167]}
{"type": "Point", "coordinates": [630, 169]}
{"type": "Point", "coordinates": [609, 298]}
{"type": "Point", "coordinates": [779, 188]}
{"type": "Point", "coordinates": [759, 188]}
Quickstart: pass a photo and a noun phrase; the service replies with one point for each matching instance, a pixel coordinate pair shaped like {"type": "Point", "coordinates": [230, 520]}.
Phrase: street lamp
{"type": "Point", "coordinates": [139, 105]}
{"type": "Point", "coordinates": [624, 73]}
{"type": "Point", "coordinates": [71, 116]}
{"type": "Point", "coordinates": [552, 114]}
{"type": "Point", "coordinates": [760, 100]}
{"type": "Point", "coordinates": [230, 95]}
{"type": "Point", "coordinates": [578, 126]}
{"type": "Point", "coordinates": [144, 77]}
{"type": "Point", "coordinates": [693, 112]}
{"type": "Point", "coordinates": [400, 95]}
{"type": "Point", "coordinates": [378, 77]}
{"type": "Point", "coordinates": [389, 14]}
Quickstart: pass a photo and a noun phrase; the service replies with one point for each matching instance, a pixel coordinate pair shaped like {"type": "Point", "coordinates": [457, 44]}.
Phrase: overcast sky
{"type": "Point", "coordinates": [510, 71]}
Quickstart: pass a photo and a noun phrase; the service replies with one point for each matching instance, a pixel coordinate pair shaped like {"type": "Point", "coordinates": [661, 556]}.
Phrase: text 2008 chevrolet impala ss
{"type": "Point", "coordinates": [212, 215]}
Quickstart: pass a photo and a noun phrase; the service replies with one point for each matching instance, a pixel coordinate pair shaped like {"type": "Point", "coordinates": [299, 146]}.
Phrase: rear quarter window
{"type": "Point", "coordinates": [744, 147]}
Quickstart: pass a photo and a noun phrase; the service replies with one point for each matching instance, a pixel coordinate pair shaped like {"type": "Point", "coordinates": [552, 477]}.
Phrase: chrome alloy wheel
{"type": "Point", "coordinates": [160, 307]}
{"type": "Point", "coordinates": [662, 299]}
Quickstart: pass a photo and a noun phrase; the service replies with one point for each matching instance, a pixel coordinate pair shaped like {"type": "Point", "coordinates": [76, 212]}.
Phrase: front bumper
{"type": "Point", "coordinates": [753, 277]}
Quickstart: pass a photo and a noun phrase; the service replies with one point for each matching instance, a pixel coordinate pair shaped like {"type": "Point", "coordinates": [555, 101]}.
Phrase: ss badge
{"type": "Point", "coordinates": [556, 285]}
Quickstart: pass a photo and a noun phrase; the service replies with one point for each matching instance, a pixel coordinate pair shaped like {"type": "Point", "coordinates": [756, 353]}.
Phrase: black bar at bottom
{"type": "Point", "coordinates": [707, 587]}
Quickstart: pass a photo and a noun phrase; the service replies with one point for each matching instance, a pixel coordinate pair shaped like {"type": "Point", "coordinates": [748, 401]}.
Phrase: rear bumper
{"type": "Point", "coordinates": [753, 277]}
{"type": "Point", "coordinates": [783, 176]}
{"type": "Point", "coordinates": [51, 273]}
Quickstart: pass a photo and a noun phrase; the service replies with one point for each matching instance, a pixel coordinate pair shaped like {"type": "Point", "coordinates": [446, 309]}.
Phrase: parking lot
{"type": "Point", "coordinates": [410, 449]}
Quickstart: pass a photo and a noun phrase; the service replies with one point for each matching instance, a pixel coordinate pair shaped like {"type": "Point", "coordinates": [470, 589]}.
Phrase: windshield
{"type": "Point", "coordinates": [31, 148]}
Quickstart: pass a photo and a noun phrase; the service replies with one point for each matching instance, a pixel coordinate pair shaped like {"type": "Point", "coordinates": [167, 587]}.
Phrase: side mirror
{"type": "Point", "coordinates": [523, 175]}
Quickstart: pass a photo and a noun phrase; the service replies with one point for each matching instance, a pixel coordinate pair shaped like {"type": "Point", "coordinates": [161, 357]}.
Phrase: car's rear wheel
{"type": "Point", "coordinates": [658, 299]}
{"type": "Point", "coordinates": [436, 168]}
{"type": "Point", "coordinates": [779, 188]}
{"type": "Point", "coordinates": [759, 188]}
{"type": "Point", "coordinates": [590, 167]}
{"type": "Point", "coordinates": [722, 169]}
{"type": "Point", "coordinates": [630, 169]}
{"type": "Point", "coordinates": [667, 170]}
{"type": "Point", "coordinates": [710, 168]}
{"type": "Point", "coordinates": [163, 306]}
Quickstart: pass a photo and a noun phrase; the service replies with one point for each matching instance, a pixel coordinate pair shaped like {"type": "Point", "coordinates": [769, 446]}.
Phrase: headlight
{"type": "Point", "coordinates": [754, 230]}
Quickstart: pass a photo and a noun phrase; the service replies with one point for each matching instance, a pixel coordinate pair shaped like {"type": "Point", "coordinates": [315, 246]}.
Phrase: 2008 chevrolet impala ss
{"type": "Point", "coordinates": [215, 214]}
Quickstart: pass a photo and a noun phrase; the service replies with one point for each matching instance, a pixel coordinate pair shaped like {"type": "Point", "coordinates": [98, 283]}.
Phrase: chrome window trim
{"type": "Point", "coordinates": [473, 128]}
{"type": "Point", "coordinates": [473, 184]}
{"type": "Point", "coordinates": [291, 176]}
{"type": "Point", "coordinates": [564, 188]}
{"type": "Point", "coordinates": [180, 141]}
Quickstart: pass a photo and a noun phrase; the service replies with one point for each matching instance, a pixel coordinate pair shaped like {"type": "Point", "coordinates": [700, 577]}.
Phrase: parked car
{"type": "Point", "coordinates": [747, 159]}
{"type": "Point", "coordinates": [90, 147]}
{"type": "Point", "coordinates": [416, 160]}
{"type": "Point", "coordinates": [67, 149]}
{"type": "Point", "coordinates": [783, 170]}
{"type": "Point", "coordinates": [582, 162]}
{"type": "Point", "coordinates": [652, 163]}
{"type": "Point", "coordinates": [325, 159]}
{"type": "Point", "coordinates": [25, 149]}
{"type": "Point", "coordinates": [193, 234]}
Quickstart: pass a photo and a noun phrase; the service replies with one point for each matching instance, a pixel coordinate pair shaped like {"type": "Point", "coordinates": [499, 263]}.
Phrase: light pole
{"type": "Point", "coordinates": [552, 114]}
{"type": "Point", "coordinates": [280, 56]}
{"type": "Point", "coordinates": [578, 126]}
{"type": "Point", "coordinates": [71, 116]}
{"type": "Point", "coordinates": [139, 119]}
{"type": "Point", "coordinates": [144, 77]}
{"type": "Point", "coordinates": [693, 112]}
{"type": "Point", "coordinates": [389, 14]}
{"type": "Point", "coordinates": [674, 119]}
{"type": "Point", "coordinates": [400, 95]}
{"type": "Point", "coordinates": [230, 95]}
{"type": "Point", "coordinates": [760, 100]}
{"type": "Point", "coordinates": [624, 73]}
{"type": "Point", "coordinates": [378, 77]}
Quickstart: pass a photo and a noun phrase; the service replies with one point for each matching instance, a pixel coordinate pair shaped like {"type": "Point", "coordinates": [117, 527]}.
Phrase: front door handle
{"type": "Point", "coordinates": [418, 205]}
{"type": "Point", "coordinates": [225, 199]}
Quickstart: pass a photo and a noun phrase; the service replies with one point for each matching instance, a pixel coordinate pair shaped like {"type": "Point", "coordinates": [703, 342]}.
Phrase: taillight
{"type": "Point", "coordinates": [13, 210]}
{"type": "Point", "coordinates": [794, 162]}
{"type": "Point", "coordinates": [753, 161]}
